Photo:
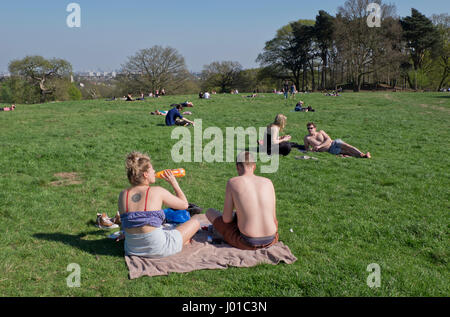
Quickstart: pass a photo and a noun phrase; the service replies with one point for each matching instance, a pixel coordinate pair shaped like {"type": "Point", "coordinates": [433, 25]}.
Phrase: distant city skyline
{"type": "Point", "coordinates": [202, 31]}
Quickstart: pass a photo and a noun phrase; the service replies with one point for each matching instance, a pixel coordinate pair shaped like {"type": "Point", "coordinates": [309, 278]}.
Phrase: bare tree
{"type": "Point", "coordinates": [365, 50]}
{"type": "Point", "coordinates": [221, 74]}
{"type": "Point", "coordinates": [155, 68]}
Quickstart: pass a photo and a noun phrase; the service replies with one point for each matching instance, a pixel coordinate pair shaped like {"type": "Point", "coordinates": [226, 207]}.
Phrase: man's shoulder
{"type": "Point", "coordinates": [240, 179]}
{"type": "Point", "coordinates": [264, 179]}
{"type": "Point", "coordinates": [234, 180]}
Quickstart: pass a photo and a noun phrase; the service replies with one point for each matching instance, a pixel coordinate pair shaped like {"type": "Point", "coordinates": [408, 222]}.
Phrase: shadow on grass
{"type": "Point", "coordinates": [104, 246]}
{"type": "Point", "coordinates": [445, 97]}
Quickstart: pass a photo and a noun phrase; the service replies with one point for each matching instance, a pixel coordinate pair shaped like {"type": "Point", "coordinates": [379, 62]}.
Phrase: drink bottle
{"type": "Point", "coordinates": [179, 172]}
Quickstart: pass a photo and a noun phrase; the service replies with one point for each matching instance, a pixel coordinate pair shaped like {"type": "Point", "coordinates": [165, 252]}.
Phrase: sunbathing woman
{"type": "Point", "coordinates": [159, 112]}
{"type": "Point", "coordinates": [8, 108]}
{"type": "Point", "coordinates": [140, 208]}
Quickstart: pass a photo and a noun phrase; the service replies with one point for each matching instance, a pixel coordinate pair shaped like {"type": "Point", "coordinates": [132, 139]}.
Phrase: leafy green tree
{"type": "Point", "coordinates": [323, 32]}
{"type": "Point", "coordinates": [442, 63]}
{"type": "Point", "coordinates": [74, 93]}
{"type": "Point", "coordinates": [16, 90]}
{"type": "Point", "coordinates": [420, 35]}
{"type": "Point", "coordinates": [41, 72]}
{"type": "Point", "coordinates": [281, 54]}
{"type": "Point", "coordinates": [304, 39]}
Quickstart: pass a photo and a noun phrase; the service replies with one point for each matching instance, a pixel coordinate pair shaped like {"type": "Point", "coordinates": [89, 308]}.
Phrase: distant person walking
{"type": "Point", "coordinates": [286, 89]}
{"type": "Point", "coordinates": [293, 90]}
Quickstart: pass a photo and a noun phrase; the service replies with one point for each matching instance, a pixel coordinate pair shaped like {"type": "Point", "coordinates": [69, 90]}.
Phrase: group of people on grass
{"type": "Point", "coordinates": [248, 220]}
{"type": "Point", "coordinates": [287, 88]}
{"type": "Point", "coordinates": [314, 141]}
{"type": "Point", "coordinates": [204, 95]}
{"type": "Point", "coordinates": [173, 116]}
{"type": "Point", "coordinates": [129, 96]}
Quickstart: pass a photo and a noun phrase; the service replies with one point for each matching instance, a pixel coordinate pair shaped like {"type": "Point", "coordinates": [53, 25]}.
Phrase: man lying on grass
{"type": "Point", "coordinates": [254, 224]}
{"type": "Point", "coordinates": [321, 142]}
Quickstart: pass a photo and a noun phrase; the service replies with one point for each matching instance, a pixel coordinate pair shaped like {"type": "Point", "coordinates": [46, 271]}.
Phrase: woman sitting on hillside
{"type": "Point", "coordinates": [141, 214]}
{"type": "Point", "coordinates": [272, 137]}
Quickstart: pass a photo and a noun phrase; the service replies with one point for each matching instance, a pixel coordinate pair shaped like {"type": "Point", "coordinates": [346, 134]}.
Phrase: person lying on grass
{"type": "Point", "coordinates": [141, 214]}
{"type": "Point", "coordinates": [8, 108]}
{"type": "Point", "coordinates": [321, 142]}
{"type": "Point", "coordinates": [174, 117]}
{"type": "Point", "coordinates": [254, 224]}
{"type": "Point", "coordinates": [187, 104]}
{"type": "Point", "coordinates": [164, 113]}
{"type": "Point", "coordinates": [159, 112]}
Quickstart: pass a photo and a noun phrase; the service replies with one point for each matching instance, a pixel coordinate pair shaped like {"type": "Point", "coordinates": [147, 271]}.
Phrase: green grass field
{"type": "Point", "coordinates": [345, 213]}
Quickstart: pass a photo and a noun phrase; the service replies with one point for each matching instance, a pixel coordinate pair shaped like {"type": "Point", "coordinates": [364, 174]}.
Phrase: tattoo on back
{"type": "Point", "coordinates": [136, 197]}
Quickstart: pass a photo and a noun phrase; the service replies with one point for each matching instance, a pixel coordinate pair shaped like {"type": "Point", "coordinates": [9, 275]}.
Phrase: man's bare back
{"type": "Point", "coordinates": [248, 220]}
{"type": "Point", "coordinates": [253, 198]}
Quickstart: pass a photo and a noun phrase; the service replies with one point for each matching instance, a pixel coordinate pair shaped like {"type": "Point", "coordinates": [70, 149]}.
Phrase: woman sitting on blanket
{"type": "Point", "coordinates": [141, 214]}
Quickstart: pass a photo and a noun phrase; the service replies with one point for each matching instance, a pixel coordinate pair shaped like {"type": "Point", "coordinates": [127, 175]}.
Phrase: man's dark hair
{"type": "Point", "coordinates": [311, 123]}
{"type": "Point", "coordinates": [245, 159]}
{"type": "Point", "coordinates": [177, 105]}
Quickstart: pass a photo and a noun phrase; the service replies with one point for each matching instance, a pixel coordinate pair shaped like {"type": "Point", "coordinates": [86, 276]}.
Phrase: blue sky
{"type": "Point", "coordinates": [203, 31]}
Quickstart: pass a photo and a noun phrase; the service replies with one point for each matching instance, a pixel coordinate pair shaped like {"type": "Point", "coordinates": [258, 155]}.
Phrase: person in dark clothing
{"type": "Point", "coordinates": [286, 89]}
{"type": "Point", "coordinates": [174, 117]}
{"type": "Point", "coordinates": [272, 138]}
{"type": "Point", "coordinates": [129, 97]}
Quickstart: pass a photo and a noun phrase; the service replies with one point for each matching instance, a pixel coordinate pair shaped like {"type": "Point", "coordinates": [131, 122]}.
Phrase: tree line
{"type": "Point", "coordinates": [343, 51]}
{"type": "Point", "coordinates": [327, 53]}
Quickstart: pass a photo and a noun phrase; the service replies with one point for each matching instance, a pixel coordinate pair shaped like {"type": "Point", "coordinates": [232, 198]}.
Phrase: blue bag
{"type": "Point", "coordinates": [176, 216]}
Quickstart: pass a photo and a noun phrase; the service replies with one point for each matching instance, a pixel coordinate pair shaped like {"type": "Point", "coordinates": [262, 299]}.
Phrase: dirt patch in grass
{"type": "Point", "coordinates": [434, 107]}
{"type": "Point", "coordinates": [66, 179]}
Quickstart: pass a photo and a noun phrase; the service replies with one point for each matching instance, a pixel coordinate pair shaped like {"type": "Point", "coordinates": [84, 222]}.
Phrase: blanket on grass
{"type": "Point", "coordinates": [201, 254]}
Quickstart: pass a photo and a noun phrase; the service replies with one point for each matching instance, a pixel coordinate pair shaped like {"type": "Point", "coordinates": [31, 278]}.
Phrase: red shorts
{"type": "Point", "coordinates": [232, 235]}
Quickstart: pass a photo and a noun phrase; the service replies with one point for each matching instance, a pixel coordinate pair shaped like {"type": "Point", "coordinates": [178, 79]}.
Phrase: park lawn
{"type": "Point", "coordinates": [337, 215]}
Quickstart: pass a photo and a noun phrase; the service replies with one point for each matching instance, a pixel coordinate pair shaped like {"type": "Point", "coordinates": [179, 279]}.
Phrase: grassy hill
{"type": "Point", "coordinates": [61, 163]}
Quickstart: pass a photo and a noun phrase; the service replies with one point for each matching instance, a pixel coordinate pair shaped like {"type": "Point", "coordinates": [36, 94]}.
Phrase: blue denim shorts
{"type": "Point", "coordinates": [335, 147]}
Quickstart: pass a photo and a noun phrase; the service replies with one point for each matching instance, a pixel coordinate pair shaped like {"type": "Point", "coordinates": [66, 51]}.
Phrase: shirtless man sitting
{"type": "Point", "coordinates": [254, 224]}
{"type": "Point", "coordinates": [321, 142]}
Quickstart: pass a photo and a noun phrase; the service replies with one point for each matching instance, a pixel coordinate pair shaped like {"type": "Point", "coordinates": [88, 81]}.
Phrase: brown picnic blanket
{"type": "Point", "coordinates": [201, 255]}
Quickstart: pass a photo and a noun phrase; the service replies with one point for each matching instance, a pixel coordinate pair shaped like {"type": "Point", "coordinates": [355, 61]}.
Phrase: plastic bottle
{"type": "Point", "coordinates": [179, 172]}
